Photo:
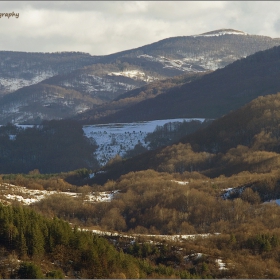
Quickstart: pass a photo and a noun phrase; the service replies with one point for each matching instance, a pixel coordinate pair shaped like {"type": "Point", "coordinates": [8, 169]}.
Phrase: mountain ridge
{"type": "Point", "coordinates": [107, 77]}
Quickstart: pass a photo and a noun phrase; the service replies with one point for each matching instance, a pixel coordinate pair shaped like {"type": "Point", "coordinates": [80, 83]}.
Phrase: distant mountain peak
{"type": "Point", "coordinates": [221, 32]}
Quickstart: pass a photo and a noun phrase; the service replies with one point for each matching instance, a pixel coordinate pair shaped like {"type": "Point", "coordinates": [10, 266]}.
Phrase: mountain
{"type": "Point", "coordinates": [207, 51]}
{"type": "Point", "coordinates": [244, 140]}
{"type": "Point", "coordinates": [104, 78]}
{"type": "Point", "coordinates": [214, 94]}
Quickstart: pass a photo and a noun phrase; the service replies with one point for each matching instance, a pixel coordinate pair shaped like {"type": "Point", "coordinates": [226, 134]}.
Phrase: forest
{"type": "Point", "coordinates": [243, 227]}
{"type": "Point", "coordinates": [51, 248]}
{"type": "Point", "coordinates": [172, 132]}
{"type": "Point", "coordinates": [53, 147]}
{"type": "Point", "coordinates": [201, 206]}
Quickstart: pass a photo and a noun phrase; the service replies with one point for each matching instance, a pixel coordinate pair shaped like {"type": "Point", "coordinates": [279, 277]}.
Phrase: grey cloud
{"type": "Point", "coordinates": [277, 25]}
{"type": "Point", "coordinates": [68, 6]}
{"type": "Point", "coordinates": [102, 27]}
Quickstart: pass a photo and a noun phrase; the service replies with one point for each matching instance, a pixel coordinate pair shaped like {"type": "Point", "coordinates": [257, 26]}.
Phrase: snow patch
{"type": "Point", "coordinates": [178, 64]}
{"type": "Point", "coordinates": [221, 264]}
{"type": "Point", "coordinates": [29, 196]}
{"type": "Point", "coordinates": [134, 74]}
{"type": "Point", "coordinates": [276, 201]}
{"type": "Point", "coordinates": [221, 33]}
{"type": "Point", "coordinates": [180, 182]}
{"type": "Point", "coordinates": [194, 256]}
{"type": "Point", "coordinates": [231, 191]}
{"type": "Point", "coordinates": [152, 236]}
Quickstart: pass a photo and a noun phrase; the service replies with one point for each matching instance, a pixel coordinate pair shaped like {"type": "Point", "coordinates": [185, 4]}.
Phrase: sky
{"type": "Point", "coordinates": [105, 27]}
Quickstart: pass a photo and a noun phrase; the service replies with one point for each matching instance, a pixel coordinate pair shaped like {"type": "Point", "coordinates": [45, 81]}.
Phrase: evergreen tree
{"type": "Point", "coordinates": [29, 271]}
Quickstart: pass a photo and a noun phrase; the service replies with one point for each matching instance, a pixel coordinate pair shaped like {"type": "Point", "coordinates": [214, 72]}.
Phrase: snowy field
{"type": "Point", "coordinates": [118, 138]}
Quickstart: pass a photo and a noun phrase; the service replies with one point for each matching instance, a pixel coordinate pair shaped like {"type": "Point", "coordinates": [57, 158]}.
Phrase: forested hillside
{"type": "Point", "coordinates": [33, 104]}
{"type": "Point", "coordinates": [204, 207]}
{"type": "Point", "coordinates": [132, 97]}
{"type": "Point", "coordinates": [246, 139]}
{"type": "Point", "coordinates": [214, 94]}
{"type": "Point", "coordinates": [204, 232]}
{"type": "Point", "coordinates": [36, 247]}
{"type": "Point", "coordinates": [172, 132]}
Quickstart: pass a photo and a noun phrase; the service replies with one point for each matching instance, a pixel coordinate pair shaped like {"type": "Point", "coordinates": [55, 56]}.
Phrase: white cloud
{"type": "Point", "coordinates": [103, 27]}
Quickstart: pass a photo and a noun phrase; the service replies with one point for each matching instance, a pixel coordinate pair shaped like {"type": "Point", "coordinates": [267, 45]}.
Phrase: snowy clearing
{"type": "Point", "coordinates": [117, 138]}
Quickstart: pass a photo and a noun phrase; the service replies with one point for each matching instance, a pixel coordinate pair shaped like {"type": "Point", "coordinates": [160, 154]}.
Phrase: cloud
{"type": "Point", "coordinates": [103, 27]}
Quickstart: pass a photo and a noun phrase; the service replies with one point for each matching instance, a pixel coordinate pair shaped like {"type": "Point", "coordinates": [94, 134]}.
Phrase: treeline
{"type": "Point", "coordinates": [53, 147]}
{"type": "Point", "coordinates": [172, 132]}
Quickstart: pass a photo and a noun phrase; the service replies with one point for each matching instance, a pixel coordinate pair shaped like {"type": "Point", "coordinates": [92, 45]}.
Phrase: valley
{"type": "Point", "coordinates": [156, 162]}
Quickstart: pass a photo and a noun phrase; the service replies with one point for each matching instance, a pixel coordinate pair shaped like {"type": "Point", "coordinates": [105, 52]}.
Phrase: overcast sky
{"type": "Point", "coordinates": [104, 27]}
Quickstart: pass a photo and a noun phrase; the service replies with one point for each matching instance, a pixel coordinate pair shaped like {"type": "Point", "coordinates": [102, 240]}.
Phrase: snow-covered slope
{"type": "Point", "coordinates": [12, 84]}
{"type": "Point", "coordinates": [134, 74]}
{"type": "Point", "coordinates": [42, 101]}
{"type": "Point", "coordinates": [20, 69]}
{"type": "Point", "coordinates": [117, 138]}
